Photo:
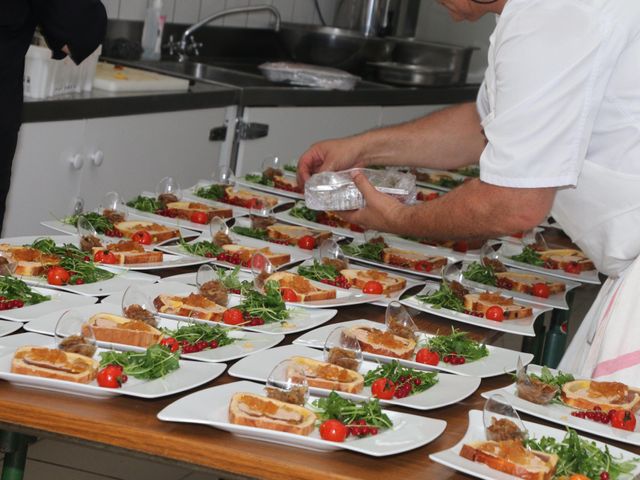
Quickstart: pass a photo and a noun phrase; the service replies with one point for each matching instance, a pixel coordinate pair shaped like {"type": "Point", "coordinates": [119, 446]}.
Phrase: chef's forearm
{"type": "Point", "coordinates": [448, 138]}
{"type": "Point", "coordinates": [477, 210]}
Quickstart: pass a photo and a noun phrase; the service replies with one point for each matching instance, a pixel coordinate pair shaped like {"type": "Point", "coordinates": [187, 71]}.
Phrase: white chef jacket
{"type": "Point", "coordinates": [560, 107]}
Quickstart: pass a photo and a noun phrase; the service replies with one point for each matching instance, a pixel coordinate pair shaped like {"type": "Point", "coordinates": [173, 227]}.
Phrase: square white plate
{"type": "Point", "coordinates": [557, 300]}
{"type": "Point", "coordinates": [58, 226]}
{"type": "Point", "coordinates": [475, 432]}
{"type": "Point", "coordinates": [561, 414]}
{"type": "Point", "coordinates": [517, 326]}
{"type": "Point", "coordinates": [450, 389]}
{"type": "Point", "coordinates": [498, 362]}
{"type": "Point", "coordinates": [301, 319]}
{"type": "Point", "coordinates": [59, 301]}
{"type": "Point", "coordinates": [188, 376]}
{"type": "Point", "coordinates": [190, 195]}
{"type": "Point", "coordinates": [382, 302]}
{"type": "Point", "coordinates": [508, 250]}
{"type": "Point", "coordinates": [247, 343]}
{"type": "Point", "coordinates": [211, 406]}
{"type": "Point", "coordinates": [296, 254]}
{"type": "Point", "coordinates": [265, 188]}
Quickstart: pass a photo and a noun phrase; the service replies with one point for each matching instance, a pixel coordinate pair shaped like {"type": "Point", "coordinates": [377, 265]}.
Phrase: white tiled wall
{"type": "Point", "coordinates": [190, 11]}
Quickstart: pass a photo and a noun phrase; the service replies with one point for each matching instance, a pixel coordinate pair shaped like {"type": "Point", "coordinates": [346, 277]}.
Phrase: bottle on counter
{"type": "Point", "coordinates": [152, 31]}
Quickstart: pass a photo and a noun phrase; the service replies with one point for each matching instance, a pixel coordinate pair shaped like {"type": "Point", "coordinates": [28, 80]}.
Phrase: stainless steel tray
{"type": "Point", "coordinates": [413, 75]}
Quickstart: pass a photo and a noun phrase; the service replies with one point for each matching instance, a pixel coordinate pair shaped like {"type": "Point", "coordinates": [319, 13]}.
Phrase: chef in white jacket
{"type": "Point", "coordinates": [556, 129]}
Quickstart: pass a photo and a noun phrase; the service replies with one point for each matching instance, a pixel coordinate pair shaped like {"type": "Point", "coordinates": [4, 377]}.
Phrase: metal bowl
{"type": "Point", "coordinates": [333, 47]}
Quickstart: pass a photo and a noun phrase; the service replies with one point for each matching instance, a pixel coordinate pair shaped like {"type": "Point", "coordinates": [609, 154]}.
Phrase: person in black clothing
{"type": "Point", "coordinates": [73, 27]}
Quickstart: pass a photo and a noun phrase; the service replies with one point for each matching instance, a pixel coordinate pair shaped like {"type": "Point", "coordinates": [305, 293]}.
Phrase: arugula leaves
{"type": "Point", "coordinates": [262, 179]}
{"type": "Point", "coordinates": [319, 271]}
{"type": "Point", "coordinates": [101, 223]}
{"type": "Point", "coordinates": [581, 456]}
{"type": "Point", "coordinates": [259, 233]}
{"type": "Point", "coordinates": [550, 379]}
{"type": "Point", "coordinates": [394, 371]}
{"type": "Point", "coordinates": [15, 289]}
{"type": "Point", "coordinates": [211, 192]}
{"type": "Point", "coordinates": [367, 251]}
{"type": "Point", "coordinates": [205, 248]}
{"type": "Point", "coordinates": [230, 279]}
{"type": "Point", "coordinates": [145, 204]}
{"type": "Point", "coordinates": [530, 256]}
{"type": "Point", "coordinates": [459, 343]}
{"type": "Point", "coordinates": [476, 272]}
{"type": "Point", "coordinates": [300, 210]}
{"type": "Point", "coordinates": [348, 412]}
{"type": "Point", "coordinates": [155, 362]}
{"type": "Point", "coordinates": [198, 332]}
{"type": "Point", "coordinates": [445, 297]}
{"type": "Point", "coordinates": [268, 306]}
{"type": "Point", "coordinates": [291, 168]}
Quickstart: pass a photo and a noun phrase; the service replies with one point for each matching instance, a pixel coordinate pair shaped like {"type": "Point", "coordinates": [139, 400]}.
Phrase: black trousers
{"type": "Point", "coordinates": [8, 142]}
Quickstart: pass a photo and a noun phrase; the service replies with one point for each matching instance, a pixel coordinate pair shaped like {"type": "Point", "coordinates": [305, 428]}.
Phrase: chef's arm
{"type": "Point", "coordinates": [474, 210]}
{"type": "Point", "coordinates": [80, 25]}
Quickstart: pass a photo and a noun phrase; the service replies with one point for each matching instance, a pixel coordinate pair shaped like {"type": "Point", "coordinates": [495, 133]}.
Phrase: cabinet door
{"type": "Point", "coordinates": [394, 115]}
{"type": "Point", "coordinates": [133, 153]}
{"type": "Point", "coordinates": [43, 180]}
{"type": "Point", "coordinates": [293, 129]}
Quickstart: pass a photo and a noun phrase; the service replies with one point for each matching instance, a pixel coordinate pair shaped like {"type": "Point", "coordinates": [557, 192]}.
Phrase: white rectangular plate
{"type": "Point", "coordinates": [561, 414]}
{"type": "Point", "coordinates": [301, 319]}
{"type": "Point", "coordinates": [59, 300]}
{"type": "Point", "coordinates": [517, 326]}
{"type": "Point", "coordinates": [58, 226]}
{"type": "Point", "coordinates": [7, 328]}
{"type": "Point", "coordinates": [508, 250]}
{"type": "Point", "coordinates": [246, 343]}
{"type": "Point", "coordinates": [498, 362]}
{"type": "Point", "coordinates": [188, 376]}
{"type": "Point", "coordinates": [450, 389]}
{"type": "Point", "coordinates": [475, 432]}
{"type": "Point", "coordinates": [385, 300]}
{"type": "Point", "coordinates": [557, 300]}
{"type": "Point", "coordinates": [190, 195]}
{"type": "Point", "coordinates": [272, 190]}
{"type": "Point", "coordinates": [297, 255]}
{"type": "Point", "coordinates": [210, 407]}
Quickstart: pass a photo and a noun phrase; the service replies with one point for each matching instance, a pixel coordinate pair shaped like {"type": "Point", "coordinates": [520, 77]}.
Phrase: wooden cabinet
{"type": "Point", "coordinates": [55, 161]}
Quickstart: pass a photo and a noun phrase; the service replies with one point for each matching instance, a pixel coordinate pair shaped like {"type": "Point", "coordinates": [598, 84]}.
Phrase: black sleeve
{"type": "Point", "coordinates": [79, 24]}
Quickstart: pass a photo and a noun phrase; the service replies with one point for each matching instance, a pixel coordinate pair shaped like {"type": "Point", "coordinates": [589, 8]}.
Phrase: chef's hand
{"type": "Point", "coordinates": [330, 155]}
{"type": "Point", "coordinates": [382, 212]}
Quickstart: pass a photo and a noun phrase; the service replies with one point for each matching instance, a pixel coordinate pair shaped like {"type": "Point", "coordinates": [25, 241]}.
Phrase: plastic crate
{"type": "Point", "coordinates": [45, 77]}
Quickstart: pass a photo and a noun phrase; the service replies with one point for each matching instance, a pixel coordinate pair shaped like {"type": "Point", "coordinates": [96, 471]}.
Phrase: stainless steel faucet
{"type": "Point", "coordinates": [188, 45]}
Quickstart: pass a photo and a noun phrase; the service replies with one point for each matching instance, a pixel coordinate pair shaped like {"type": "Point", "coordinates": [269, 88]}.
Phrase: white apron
{"type": "Point", "coordinates": [607, 228]}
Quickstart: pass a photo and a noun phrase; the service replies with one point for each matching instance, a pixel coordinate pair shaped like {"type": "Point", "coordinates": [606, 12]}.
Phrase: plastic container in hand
{"type": "Point", "coordinates": [337, 190]}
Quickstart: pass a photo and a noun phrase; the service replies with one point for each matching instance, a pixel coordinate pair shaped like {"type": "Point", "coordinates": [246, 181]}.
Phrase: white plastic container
{"type": "Point", "coordinates": [152, 31]}
{"type": "Point", "coordinates": [45, 77]}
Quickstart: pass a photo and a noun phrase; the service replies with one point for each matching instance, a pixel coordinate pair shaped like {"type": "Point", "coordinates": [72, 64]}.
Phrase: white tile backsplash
{"type": "Point", "coordinates": [259, 19]}
{"type": "Point", "coordinates": [186, 11]}
{"type": "Point", "coordinates": [238, 20]}
{"type": "Point", "coordinates": [112, 7]}
{"type": "Point", "coordinates": [132, 9]}
{"type": "Point", "coordinates": [209, 7]}
{"type": "Point", "coordinates": [303, 11]}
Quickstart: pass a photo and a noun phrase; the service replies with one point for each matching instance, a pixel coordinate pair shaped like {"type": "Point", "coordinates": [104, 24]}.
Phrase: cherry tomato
{"type": "Point", "coordinates": [540, 290]}
{"type": "Point", "coordinates": [424, 266]}
{"type": "Point", "coordinates": [373, 287]}
{"type": "Point", "coordinates": [289, 295]}
{"type": "Point", "coordinates": [623, 419]}
{"type": "Point", "coordinates": [111, 376]}
{"type": "Point", "coordinates": [333, 431]}
{"type": "Point", "coordinates": [142, 237]}
{"type": "Point", "coordinates": [427, 357]}
{"type": "Point", "coordinates": [58, 276]}
{"type": "Point", "coordinates": [199, 217]}
{"type": "Point", "coordinates": [105, 256]}
{"type": "Point", "coordinates": [518, 235]}
{"type": "Point", "coordinates": [461, 246]}
{"type": "Point", "coordinates": [307, 242]}
{"type": "Point", "coordinates": [573, 267]}
{"type": "Point", "coordinates": [383, 388]}
{"type": "Point", "coordinates": [494, 313]}
{"type": "Point", "coordinates": [233, 316]}
{"type": "Point", "coordinates": [431, 196]}
{"type": "Point", "coordinates": [171, 343]}
{"type": "Point", "coordinates": [578, 476]}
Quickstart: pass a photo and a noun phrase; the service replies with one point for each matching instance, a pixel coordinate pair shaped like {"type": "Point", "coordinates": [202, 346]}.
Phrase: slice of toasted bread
{"type": "Point", "coordinates": [560, 258]}
{"type": "Point", "coordinates": [246, 253]}
{"type": "Point", "coordinates": [193, 305]}
{"type": "Point", "coordinates": [523, 282]}
{"type": "Point", "coordinates": [54, 363]}
{"type": "Point", "coordinates": [412, 259]}
{"type": "Point", "coordinates": [332, 377]}
{"type": "Point", "coordinates": [481, 302]}
{"type": "Point", "coordinates": [293, 233]}
{"type": "Point", "coordinates": [261, 412]}
{"type": "Point", "coordinates": [128, 252]}
{"type": "Point", "coordinates": [184, 210]}
{"type": "Point", "coordinates": [107, 327]}
{"type": "Point", "coordinates": [306, 291]}
{"type": "Point", "coordinates": [390, 283]}
{"type": "Point", "coordinates": [512, 458]}
{"type": "Point", "coordinates": [588, 394]}
{"type": "Point", "coordinates": [287, 183]}
{"type": "Point", "coordinates": [159, 233]}
{"type": "Point", "coordinates": [384, 343]}
{"type": "Point", "coordinates": [30, 261]}
{"type": "Point", "coordinates": [244, 197]}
